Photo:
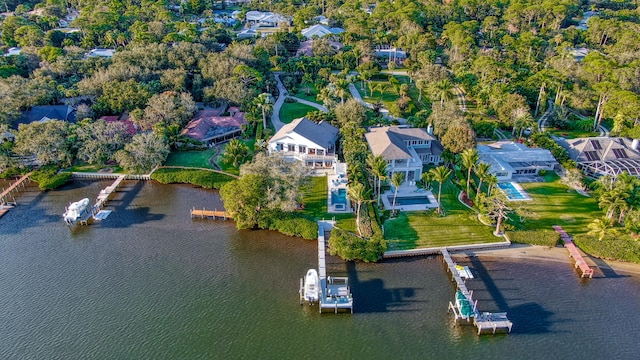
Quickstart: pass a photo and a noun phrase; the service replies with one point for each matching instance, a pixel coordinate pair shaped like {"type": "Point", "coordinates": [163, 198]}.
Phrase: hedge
{"type": "Point", "coordinates": [204, 178]}
{"type": "Point", "coordinates": [350, 246]}
{"type": "Point", "coordinates": [620, 248]}
{"type": "Point", "coordinates": [288, 223]}
{"type": "Point", "coordinates": [49, 178]}
{"type": "Point", "coordinates": [534, 237]}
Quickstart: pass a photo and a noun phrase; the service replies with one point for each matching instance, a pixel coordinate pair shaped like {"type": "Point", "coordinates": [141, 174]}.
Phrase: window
{"type": "Point", "coordinates": [302, 149]}
{"type": "Point", "coordinates": [291, 148]}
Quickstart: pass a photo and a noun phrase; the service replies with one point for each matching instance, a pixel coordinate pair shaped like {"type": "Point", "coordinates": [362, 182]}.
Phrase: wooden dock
{"type": "Point", "coordinates": [13, 187]}
{"type": "Point", "coordinates": [574, 253]}
{"type": "Point", "coordinates": [335, 293]}
{"type": "Point", "coordinates": [465, 308]}
{"type": "Point", "coordinates": [7, 201]}
{"type": "Point", "coordinates": [102, 198]}
{"type": "Point", "coordinates": [210, 214]}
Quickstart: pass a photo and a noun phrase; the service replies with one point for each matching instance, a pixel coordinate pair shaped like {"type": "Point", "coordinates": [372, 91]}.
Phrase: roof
{"type": "Point", "coordinates": [306, 47]}
{"type": "Point", "coordinates": [389, 141]}
{"type": "Point", "coordinates": [322, 134]}
{"type": "Point", "coordinates": [124, 119]}
{"type": "Point", "coordinates": [102, 52]}
{"type": "Point", "coordinates": [208, 124]}
{"type": "Point", "coordinates": [13, 51]}
{"type": "Point", "coordinates": [48, 112]}
{"type": "Point", "coordinates": [510, 156]}
{"type": "Point", "coordinates": [600, 149]}
{"type": "Point", "coordinates": [320, 31]}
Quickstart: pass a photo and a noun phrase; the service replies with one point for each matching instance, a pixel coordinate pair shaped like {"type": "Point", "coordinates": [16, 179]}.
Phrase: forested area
{"type": "Point", "coordinates": [514, 59]}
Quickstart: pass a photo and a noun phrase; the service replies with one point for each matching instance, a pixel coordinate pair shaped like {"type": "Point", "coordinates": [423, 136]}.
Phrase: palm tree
{"type": "Point", "coordinates": [378, 168]}
{"type": "Point", "coordinates": [444, 91]}
{"type": "Point", "coordinates": [263, 102]}
{"type": "Point", "coordinates": [427, 178]}
{"type": "Point", "coordinates": [599, 227]}
{"type": "Point", "coordinates": [342, 88]}
{"type": "Point", "coordinates": [396, 180]}
{"type": "Point", "coordinates": [358, 194]}
{"type": "Point", "coordinates": [440, 174]}
{"type": "Point", "coordinates": [307, 79]}
{"type": "Point", "coordinates": [469, 159]}
{"type": "Point", "coordinates": [235, 152]}
{"type": "Point", "coordinates": [491, 181]}
{"type": "Point", "coordinates": [482, 172]}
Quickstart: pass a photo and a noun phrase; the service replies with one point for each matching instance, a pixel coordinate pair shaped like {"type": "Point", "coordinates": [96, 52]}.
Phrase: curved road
{"type": "Point", "coordinates": [282, 94]}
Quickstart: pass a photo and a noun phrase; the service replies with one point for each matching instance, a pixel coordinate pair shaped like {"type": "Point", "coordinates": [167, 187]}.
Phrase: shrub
{"type": "Point", "coordinates": [206, 179]}
{"type": "Point", "coordinates": [288, 223]}
{"type": "Point", "coordinates": [350, 247]}
{"type": "Point", "coordinates": [48, 177]}
{"type": "Point", "coordinates": [535, 237]}
{"type": "Point", "coordinates": [620, 248]}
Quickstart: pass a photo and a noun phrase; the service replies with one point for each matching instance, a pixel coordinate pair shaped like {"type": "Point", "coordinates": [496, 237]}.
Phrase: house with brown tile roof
{"type": "Point", "coordinates": [405, 149]}
{"type": "Point", "coordinates": [598, 156]}
{"type": "Point", "coordinates": [307, 141]}
{"type": "Point", "coordinates": [209, 127]}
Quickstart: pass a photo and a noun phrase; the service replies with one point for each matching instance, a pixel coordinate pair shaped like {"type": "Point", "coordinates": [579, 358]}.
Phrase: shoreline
{"type": "Point", "coordinates": [554, 254]}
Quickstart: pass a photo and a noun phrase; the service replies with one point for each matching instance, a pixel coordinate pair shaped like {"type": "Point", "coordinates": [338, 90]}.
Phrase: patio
{"type": "Point", "coordinates": [411, 192]}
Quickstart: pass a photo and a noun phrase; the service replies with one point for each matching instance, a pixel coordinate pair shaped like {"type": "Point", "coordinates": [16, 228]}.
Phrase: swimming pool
{"type": "Point", "coordinates": [513, 191]}
{"type": "Point", "coordinates": [339, 196]}
{"type": "Point", "coordinates": [414, 200]}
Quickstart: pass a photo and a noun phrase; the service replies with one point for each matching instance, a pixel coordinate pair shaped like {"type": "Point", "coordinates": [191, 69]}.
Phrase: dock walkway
{"type": "Point", "coordinates": [102, 198]}
{"type": "Point", "coordinates": [465, 308]}
{"type": "Point", "coordinates": [213, 214]}
{"type": "Point", "coordinates": [6, 192]}
{"type": "Point", "coordinates": [334, 293]}
{"type": "Point", "coordinates": [573, 252]}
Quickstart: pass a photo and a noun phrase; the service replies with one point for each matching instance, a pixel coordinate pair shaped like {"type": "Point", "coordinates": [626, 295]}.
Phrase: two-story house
{"type": "Point", "coordinates": [405, 149]}
{"type": "Point", "coordinates": [307, 141]}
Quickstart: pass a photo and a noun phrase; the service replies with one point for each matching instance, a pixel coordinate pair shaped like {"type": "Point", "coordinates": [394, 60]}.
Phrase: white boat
{"type": "Point", "coordinates": [464, 272]}
{"type": "Point", "coordinates": [75, 211]}
{"type": "Point", "coordinates": [311, 286]}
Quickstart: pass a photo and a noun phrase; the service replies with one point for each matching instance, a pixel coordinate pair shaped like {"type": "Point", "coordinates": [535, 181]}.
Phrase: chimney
{"type": "Point", "coordinates": [634, 144]}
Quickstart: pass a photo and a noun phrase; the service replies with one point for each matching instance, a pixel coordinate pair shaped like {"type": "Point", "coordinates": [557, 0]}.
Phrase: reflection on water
{"type": "Point", "coordinates": [150, 282]}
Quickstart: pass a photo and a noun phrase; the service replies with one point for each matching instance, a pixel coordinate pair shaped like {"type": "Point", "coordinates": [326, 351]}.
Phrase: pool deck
{"type": "Point", "coordinates": [407, 190]}
{"type": "Point", "coordinates": [337, 180]}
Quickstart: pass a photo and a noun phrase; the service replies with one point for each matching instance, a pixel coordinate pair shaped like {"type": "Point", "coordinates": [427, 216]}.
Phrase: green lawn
{"type": "Point", "coordinates": [198, 158]}
{"type": "Point", "coordinates": [389, 96]}
{"type": "Point", "coordinates": [93, 168]}
{"type": "Point", "coordinates": [302, 94]}
{"type": "Point", "coordinates": [291, 111]}
{"type": "Point", "coordinates": [573, 134]}
{"type": "Point", "coordinates": [421, 229]}
{"type": "Point", "coordinates": [555, 204]}
{"type": "Point", "coordinates": [315, 204]}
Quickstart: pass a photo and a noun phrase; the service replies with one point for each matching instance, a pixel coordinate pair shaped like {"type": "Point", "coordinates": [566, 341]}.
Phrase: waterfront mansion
{"type": "Point", "coordinates": [307, 141]}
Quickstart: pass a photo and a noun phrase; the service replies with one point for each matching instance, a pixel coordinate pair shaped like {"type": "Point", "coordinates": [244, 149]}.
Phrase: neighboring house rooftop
{"type": "Point", "coordinates": [320, 31]}
{"type": "Point", "coordinates": [306, 47]}
{"type": "Point", "coordinates": [106, 53]}
{"type": "Point", "coordinates": [389, 141]}
{"type": "Point", "coordinates": [510, 156]}
{"type": "Point", "coordinates": [208, 125]}
{"type": "Point", "coordinates": [48, 112]}
{"type": "Point", "coordinates": [578, 53]}
{"type": "Point", "coordinates": [13, 51]}
{"type": "Point", "coordinates": [322, 134]}
{"type": "Point", "coordinates": [124, 119]}
{"type": "Point", "coordinates": [599, 156]}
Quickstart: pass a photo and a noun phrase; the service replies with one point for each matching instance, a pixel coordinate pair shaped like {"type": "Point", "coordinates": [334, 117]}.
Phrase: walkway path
{"type": "Point", "coordinates": [282, 93]}
{"type": "Point", "coordinates": [543, 119]}
{"type": "Point", "coordinates": [462, 101]}
{"type": "Point", "coordinates": [356, 95]}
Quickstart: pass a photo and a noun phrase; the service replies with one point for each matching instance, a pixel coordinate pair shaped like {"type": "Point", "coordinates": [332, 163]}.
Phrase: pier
{"type": "Point", "coordinates": [4, 196]}
{"type": "Point", "coordinates": [465, 308]}
{"type": "Point", "coordinates": [210, 214]}
{"type": "Point", "coordinates": [574, 253]}
{"type": "Point", "coordinates": [7, 201]}
{"type": "Point", "coordinates": [335, 293]}
{"type": "Point", "coordinates": [102, 198]}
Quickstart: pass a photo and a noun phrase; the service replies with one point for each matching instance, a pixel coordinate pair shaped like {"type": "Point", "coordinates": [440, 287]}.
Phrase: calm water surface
{"type": "Point", "coordinates": [150, 282]}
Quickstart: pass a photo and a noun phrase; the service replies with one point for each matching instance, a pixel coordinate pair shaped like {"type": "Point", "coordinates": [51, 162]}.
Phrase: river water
{"type": "Point", "coordinates": [151, 283]}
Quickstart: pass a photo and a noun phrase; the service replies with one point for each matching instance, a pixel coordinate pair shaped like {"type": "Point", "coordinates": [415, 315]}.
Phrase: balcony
{"type": "Point", "coordinates": [308, 157]}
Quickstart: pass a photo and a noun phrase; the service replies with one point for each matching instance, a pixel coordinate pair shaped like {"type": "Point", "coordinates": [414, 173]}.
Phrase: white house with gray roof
{"type": "Point", "coordinates": [405, 149]}
{"type": "Point", "coordinates": [509, 159]}
{"type": "Point", "coordinates": [307, 141]}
